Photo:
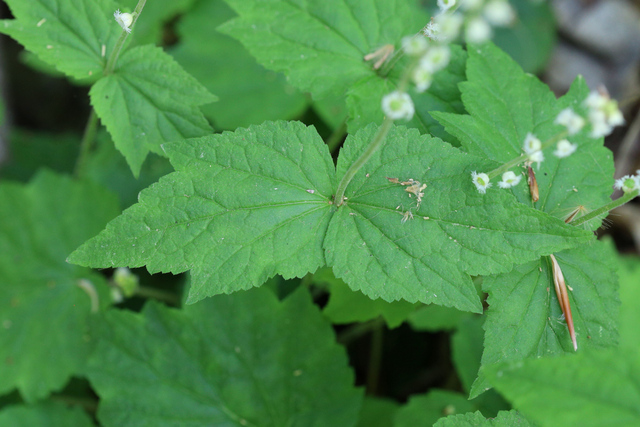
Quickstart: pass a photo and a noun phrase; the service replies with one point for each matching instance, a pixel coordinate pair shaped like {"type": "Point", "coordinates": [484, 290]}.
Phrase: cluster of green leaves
{"type": "Point", "coordinates": [241, 207]}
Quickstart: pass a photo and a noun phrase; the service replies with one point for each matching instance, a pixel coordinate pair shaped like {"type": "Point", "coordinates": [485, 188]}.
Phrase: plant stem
{"type": "Point", "coordinates": [86, 143]}
{"type": "Point", "coordinates": [359, 329]}
{"type": "Point", "coordinates": [606, 208]}
{"type": "Point", "coordinates": [364, 157]}
{"type": "Point", "coordinates": [515, 162]}
{"type": "Point", "coordinates": [158, 294]}
{"type": "Point", "coordinates": [375, 359]}
{"type": "Point", "coordinates": [113, 58]}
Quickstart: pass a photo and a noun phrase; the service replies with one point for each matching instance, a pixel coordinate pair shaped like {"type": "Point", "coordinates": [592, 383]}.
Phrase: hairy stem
{"type": "Point", "coordinates": [627, 197]}
{"type": "Point", "coordinates": [113, 58]}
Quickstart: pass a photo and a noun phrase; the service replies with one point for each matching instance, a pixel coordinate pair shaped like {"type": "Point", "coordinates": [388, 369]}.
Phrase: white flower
{"type": "Point", "coordinates": [477, 30]}
{"type": "Point", "coordinates": [536, 157]}
{"type": "Point", "coordinates": [450, 25]}
{"type": "Point", "coordinates": [422, 79]}
{"type": "Point", "coordinates": [604, 113]}
{"type": "Point", "coordinates": [499, 13]}
{"type": "Point", "coordinates": [415, 45]}
{"type": "Point", "coordinates": [569, 119]}
{"type": "Point", "coordinates": [509, 179]}
{"type": "Point", "coordinates": [432, 30]}
{"type": "Point", "coordinates": [471, 4]}
{"type": "Point", "coordinates": [398, 105]}
{"type": "Point", "coordinates": [531, 144]}
{"type": "Point", "coordinates": [445, 5]}
{"type": "Point", "coordinates": [481, 181]}
{"type": "Point", "coordinates": [436, 58]}
{"type": "Point", "coordinates": [628, 183]}
{"type": "Point", "coordinates": [124, 20]}
{"type": "Point", "coordinates": [565, 149]}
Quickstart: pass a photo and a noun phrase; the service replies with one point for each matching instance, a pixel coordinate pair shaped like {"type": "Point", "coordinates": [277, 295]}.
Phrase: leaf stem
{"type": "Point", "coordinates": [337, 136]}
{"type": "Point", "coordinates": [364, 157]}
{"type": "Point", "coordinates": [515, 162]}
{"type": "Point", "coordinates": [113, 58]}
{"type": "Point", "coordinates": [354, 332]}
{"type": "Point", "coordinates": [158, 294]}
{"type": "Point", "coordinates": [86, 144]}
{"type": "Point", "coordinates": [627, 197]}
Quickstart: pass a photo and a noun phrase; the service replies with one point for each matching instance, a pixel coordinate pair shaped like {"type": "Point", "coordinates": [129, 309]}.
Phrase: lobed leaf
{"type": "Point", "coordinates": [375, 247]}
{"type": "Point", "coordinates": [74, 36]}
{"type": "Point", "coordinates": [425, 410]}
{"type": "Point", "coordinates": [44, 414]}
{"type": "Point", "coordinates": [147, 101]}
{"type": "Point", "coordinates": [475, 419]}
{"type": "Point", "coordinates": [320, 44]}
{"type": "Point", "coordinates": [45, 338]}
{"type": "Point", "coordinates": [241, 359]}
{"type": "Point", "coordinates": [240, 208]}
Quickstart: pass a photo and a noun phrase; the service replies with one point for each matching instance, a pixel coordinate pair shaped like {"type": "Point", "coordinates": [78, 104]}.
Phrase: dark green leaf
{"type": "Point", "coordinates": [475, 419]}
{"type": "Point", "coordinates": [45, 313]}
{"type": "Point", "coordinates": [46, 414]}
{"type": "Point", "coordinates": [241, 359]}
{"type": "Point", "coordinates": [425, 410]}
{"type": "Point", "coordinates": [377, 412]}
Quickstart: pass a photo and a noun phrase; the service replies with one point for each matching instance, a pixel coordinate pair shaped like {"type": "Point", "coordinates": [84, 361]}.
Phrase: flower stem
{"type": "Point", "coordinates": [355, 167]}
{"type": "Point", "coordinates": [627, 197]}
{"type": "Point", "coordinates": [113, 58]}
{"type": "Point", "coordinates": [515, 162]}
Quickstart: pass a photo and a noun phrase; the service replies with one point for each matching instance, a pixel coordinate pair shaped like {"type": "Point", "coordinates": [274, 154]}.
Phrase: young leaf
{"type": "Point", "coordinates": [45, 414]}
{"type": "Point", "coordinates": [504, 105]}
{"type": "Point", "coordinates": [594, 388]}
{"type": "Point", "coordinates": [248, 93]}
{"type": "Point", "coordinates": [475, 419]}
{"type": "Point", "coordinates": [525, 320]}
{"type": "Point", "coordinates": [377, 412]}
{"type": "Point", "coordinates": [364, 97]}
{"type": "Point", "coordinates": [436, 318]}
{"type": "Point", "coordinates": [320, 44]}
{"type": "Point", "coordinates": [241, 359]}
{"type": "Point", "coordinates": [75, 36]}
{"type": "Point", "coordinates": [147, 101]}
{"type": "Point", "coordinates": [382, 243]}
{"type": "Point", "coordinates": [45, 303]}
{"type": "Point", "coordinates": [425, 410]}
{"type": "Point", "coordinates": [240, 208]}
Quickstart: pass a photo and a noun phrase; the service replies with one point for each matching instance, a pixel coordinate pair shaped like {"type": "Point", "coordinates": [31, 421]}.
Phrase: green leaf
{"type": "Point", "coordinates": [70, 35]}
{"type": "Point", "coordinates": [594, 388]}
{"type": "Point", "coordinates": [347, 306]}
{"type": "Point", "coordinates": [436, 318]}
{"type": "Point", "coordinates": [320, 44]}
{"type": "Point", "coordinates": [147, 101]}
{"type": "Point", "coordinates": [532, 38]}
{"type": "Point", "coordinates": [525, 320]}
{"type": "Point", "coordinates": [475, 419]}
{"type": "Point", "coordinates": [426, 409]}
{"type": "Point", "coordinates": [45, 313]}
{"type": "Point", "coordinates": [248, 93]}
{"type": "Point", "coordinates": [240, 208]}
{"type": "Point", "coordinates": [46, 414]}
{"type": "Point", "coordinates": [504, 105]}
{"type": "Point", "coordinates": [455, 230]}
{"type": "Point", "coordinates": [364, 98]}
{"type": "Point", "coordinates": [241, 359]}
{"type": "Point", "coordinates": [629, 295]}
{"type": "Point", "coordinates": [377, 412]}
{"type": "Point", "coordinates": [149, 28]}
{"type": "Point", "coordinates": [466, 349]}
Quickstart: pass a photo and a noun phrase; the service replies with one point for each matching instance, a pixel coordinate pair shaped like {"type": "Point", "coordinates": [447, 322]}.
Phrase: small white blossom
{"type": "Point", "coordinates": [569, 119]}
{"type": "Point", "coordinates": [604, 113]}
{"type": "Point", "coordinates": [471, 4]}
{"type": "Point", "coordinates": [398, 105]}
{"type": "Point", "coordinates": [509, 179]}
{"type": "Point", "coordinates": [481, 181]}
{"type": "Point", "coordinates": [565, 149]}
{"type": "Point", "coordinates": [628, 183]}
{"type": "Point", "coordinates": [531, 144]}
{"type": "Point", "coordinates": [124, 20]}
{"type": "Point", "coordinates": [450, 25]}
{"type": "Point", "coordinates": [436, 58]}
{"type": "Point", "coordinates": [536, 157]}
{"type": "Point", "coordinates": [445, 5]}
{"type": "Point", "coordinates": [432, 30]}
{"type": "Point", "coordinates": [499, 13]}
{"type": "Point", "coordinates": [477, 30]}
{"type": "Point", "coordinates": [415, 45]}
{"type": "Point", "coordinates": [422, 78]}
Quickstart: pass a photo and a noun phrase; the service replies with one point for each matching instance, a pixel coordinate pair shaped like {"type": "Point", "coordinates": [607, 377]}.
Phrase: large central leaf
{"type": "Point", "coordinates": [382, 243]}
{"type": "Point", "coordinates": [240, 208]}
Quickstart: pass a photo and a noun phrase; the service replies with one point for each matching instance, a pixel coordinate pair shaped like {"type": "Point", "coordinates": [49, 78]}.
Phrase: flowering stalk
{"type": "Point", "coordinates": [92, 123]}
{"type": "Point", "coordinates": [606, 208]}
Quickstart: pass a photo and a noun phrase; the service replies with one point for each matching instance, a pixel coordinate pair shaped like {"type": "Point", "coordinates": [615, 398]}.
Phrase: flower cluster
{"type": "Point", "coordinates": [628, 183]}
{"type": "Point", "coordinates": [604, 113]}
{"type": "Point", "coordinates": [477, 17]}
{"type": "Point", "coordinates": [124, 20]}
